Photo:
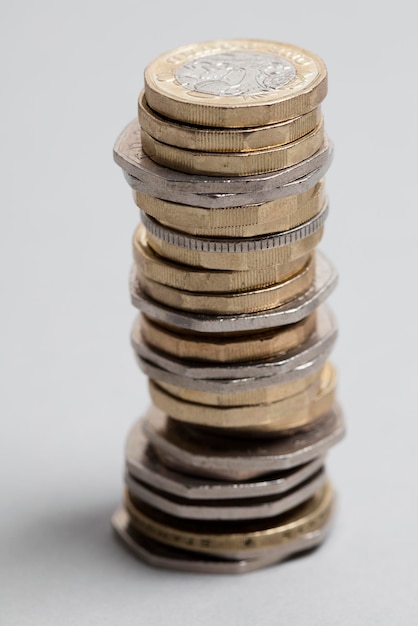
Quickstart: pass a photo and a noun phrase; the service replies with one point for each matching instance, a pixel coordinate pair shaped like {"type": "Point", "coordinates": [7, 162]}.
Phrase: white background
{"type": "Point", "coordinates": [71, 73]}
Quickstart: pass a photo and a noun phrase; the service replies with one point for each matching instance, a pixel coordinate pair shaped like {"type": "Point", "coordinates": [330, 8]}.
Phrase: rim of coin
{"type": "Point", "coordinates": [286, 414]}
{"type": "Point", "coordinates": [234, 385]}
{"type": "Point", "coordinates": [233, 509]}
{"type": "Point", "coordinates": [190, 450]}
{"type": "Point", "coordinates": [220, 140]}
{"type": "Point", "coordinates": [235, 347]}
{"type": "Point", "coordinates": [159, 555]}
{"type": "Point", "coordinates": [129, 155]}
{"type": "Point", "coordinates": [243, 537]}
{"type": "Point", "coordinates": [235, 245]}
{"type": "Point", "coordinates": [323, 284]}
{"type": "Point", "coordinates": [189, 278]}
{"type": "Point", "coordinates": [231, 303]}
{"type": "Point", "coordinates": [144, 464]}
{"type": "Point", "coordinates": [245, 221]}
{"type": "Point", "coordinates": [319, 342]}
{"type": "Point", "coordinates": [234, 163]}
{"type": "Point", "coordinates": [177, 83]}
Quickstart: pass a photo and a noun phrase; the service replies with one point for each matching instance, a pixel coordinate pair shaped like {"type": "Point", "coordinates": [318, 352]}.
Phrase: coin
{"type": "Point", "coordinates": [189, 450]}
{"type": "Point", "coordinates": [168, 557]}
{"type": "Point", "coordinates": [241, 302]}
{"type": "Point", "coordinates": [227, 510]}
{"type": "Point", "coordinates": [244, 221]}
{"type": "Point", "coordinates": [240, 537]}
{"type": "Point", "coordinates": [143, 464]}
{"type": "Point", "coordinates": [224, 139]}
{"type": "Point", "coordinates": [235, 83]}
{"type": "Point", "coordinates": [188, 278]}
{"type": "Point", "coordinates": [285, 414]}
{"type": "Point", "coordinates": [234, 163]}
{"type": "Point", "coordinates": [128, 153]}
{"type": "Point", "coordinates": [233, 347]}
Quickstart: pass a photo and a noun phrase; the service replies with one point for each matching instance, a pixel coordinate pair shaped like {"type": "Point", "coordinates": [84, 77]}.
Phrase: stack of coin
{"type": "Point", "coordinates": [225, 472]}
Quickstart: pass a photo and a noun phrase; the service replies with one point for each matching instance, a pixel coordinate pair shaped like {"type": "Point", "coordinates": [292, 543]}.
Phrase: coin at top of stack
{"type": "Point", "coordinates": [227, 165]}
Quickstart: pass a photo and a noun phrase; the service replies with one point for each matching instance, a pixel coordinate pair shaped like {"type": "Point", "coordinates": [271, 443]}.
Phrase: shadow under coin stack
{"type": "Point", "coordinates": [225, 473]}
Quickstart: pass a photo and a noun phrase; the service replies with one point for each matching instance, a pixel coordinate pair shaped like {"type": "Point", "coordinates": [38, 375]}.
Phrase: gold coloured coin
{"type": "Point", "coordinates": [265, 395]}
{"type": "Point", "coordinates": [234, 163]}
{"type": "Point", "coordinates": [224, 347]}
{"type": "Point", "coordinates": [235, 83]}
{"type": "Point", "coordinates": [224, 139]}
{"type": "Point", "coordinates": [231, 303]}
{"type": "Point", "coordinates": [237, 261]}
{"type": "Point", "coordinates": [246, 536]}
{"type": "Point", "coordinates": [187, 278]}
{"type": "Point", "coordinates": [244, 221]}
{"type": "Point", "coordinates": [293, 412]}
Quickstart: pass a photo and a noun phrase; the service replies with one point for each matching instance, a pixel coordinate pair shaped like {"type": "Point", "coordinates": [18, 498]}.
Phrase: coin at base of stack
{"type": "Point", "coordinates": [226, 471]}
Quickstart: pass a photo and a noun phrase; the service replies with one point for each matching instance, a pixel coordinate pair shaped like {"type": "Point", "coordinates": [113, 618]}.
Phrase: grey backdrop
{"type": "Point", "coordinates": [71, 73]}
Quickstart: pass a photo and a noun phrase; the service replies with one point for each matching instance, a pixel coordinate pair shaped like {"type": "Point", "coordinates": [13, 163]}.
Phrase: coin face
{"type": "Point", "coordinates": [235, 83]}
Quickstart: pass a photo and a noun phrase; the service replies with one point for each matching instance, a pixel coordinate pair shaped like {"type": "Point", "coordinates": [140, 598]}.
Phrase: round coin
{"type": "Point", "coordinates": [206, 139]}
{"type": "Point", "coordinates": [223, 348]}
{"type": "Point", "coordinates": [245, 221]}
{"type": "Point", "coordinates": [234, 163]}
{"type": "Point", "coordinates": [235, 83]}
{"type": "Point", "coordinates": [157, 554]}
{"type": "Point", "coordinates": [187, 278]}
{"type": "Point", "coordinates": [143, 464]}
{"type": "Point", "coordinates": [238, 537]}
{"type": "Point", "coordinates": [230, 303]}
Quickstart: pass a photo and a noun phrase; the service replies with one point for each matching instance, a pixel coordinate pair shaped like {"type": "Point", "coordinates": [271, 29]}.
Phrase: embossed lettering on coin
{"type": "Point", "coordinates": [237, 73]}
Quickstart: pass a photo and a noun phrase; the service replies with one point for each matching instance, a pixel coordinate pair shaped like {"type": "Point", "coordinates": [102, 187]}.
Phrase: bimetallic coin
{"type": "Point", "coordinates": [240, 538]}
{"type": "Point", "coordinates": [224, 139]}
{"type": "Point", "coordinates": [159, 555]}
{"type": "Point", "coordinates": [228, 510]}
{"type": "Point", "coordinates": [187, 278]}
{"type": "Point", "coordinates": [159, 181]}
{"type": "Point", "coordinates": [234, 163]}
{"type": "Point", "coordinates": [235, 83]}
{"type": "Point", "coordinates": [200, 453]}
{"type": "Point", "coordinates": [244, 221]}
{"type": "Point", "coordinates": [285, 414]}
{"type": "Point", "coordinates": [143, 464]}
{"type": "Point", "coordinates": [231, 303]}
{"type": "Point", "coordinates": [223, 348]}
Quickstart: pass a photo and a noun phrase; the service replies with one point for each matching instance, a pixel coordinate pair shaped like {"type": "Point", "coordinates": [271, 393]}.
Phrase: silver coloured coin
{"type": "Point", "coordinates": [232, 385]}
{"type": "Point", "coordinates": [201, 453]}
{"type": "Point", "coordinates": [160, 555]}
{"type": "Point", "coordinates": [226, 510]}
{"type": "Point", "coordinates": [321, 340]}
{"type": "Point", "coordinates": [144, 465]}
{"type": "Point", "coordinates": [323, 284]}
{"type": "Point", "coordinates": [237, 245]}
{"type": "Point", "coordinates": [128, 154]}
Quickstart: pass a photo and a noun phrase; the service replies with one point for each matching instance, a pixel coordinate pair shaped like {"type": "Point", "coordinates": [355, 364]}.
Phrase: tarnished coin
{"type": "Point", "coordinates": [194, 451]}
{"type": "Point", "coordinates": [223, 348]}
{"type": "Point", "coordinates": [231, 303]}
{"type": "Point", "coordinates": [238, 538]}
{"type": "Point", "coordinates": [235, 83]}
{"type": "Point", "coordinates": [228, 510]}
{"type": "Point", "coordinates": [250, 220]}
{"type": "Point", "coordinates": [156, 179]}
{"type": "Point", "coordinates": [143, 464]}
{"type": "Point", "coordinates": [188, 278]}
{"type": "Point", "coordinates": [224, 139]}
{"type": "Point", "coordinates": [285, 414]}
{"type": "Point", "coordinates": [233, 163]}
{"type": "Point", "coordinates": [159, 555]}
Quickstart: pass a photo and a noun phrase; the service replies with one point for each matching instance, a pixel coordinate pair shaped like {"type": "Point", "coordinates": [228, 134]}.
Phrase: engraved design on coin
{"type": "Point", "coordinates": [236, 73]}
